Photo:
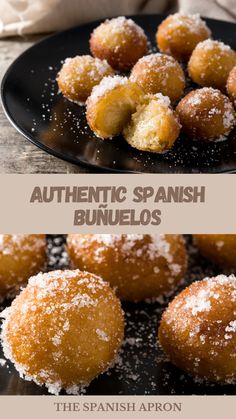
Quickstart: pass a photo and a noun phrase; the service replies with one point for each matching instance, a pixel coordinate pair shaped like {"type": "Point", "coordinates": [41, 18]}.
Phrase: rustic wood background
{"type": "Point", "coordinates": [17, 155]}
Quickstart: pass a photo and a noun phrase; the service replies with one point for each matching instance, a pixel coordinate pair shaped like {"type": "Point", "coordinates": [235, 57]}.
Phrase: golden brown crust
{"type": "Point", "coordinates": [218, 248]}
{"type": "Point", "coordinates": [198, 329]}
{"type": "Point", "coordinates": [206, 114]}
{"type": "Point", "coordinates": [109, 107]}
{"type": "Point", "coordinates": [211, 63]}
{"type": "Point", "coordinates": [79, 75]}
{"type": "Point", "coordinates": [64, 329]}
{"type": "Point", "coordinates": [138, 266]}
{"type": "Point", "coordinates": [179, 34]}
{"type": "Point", "coordinates": [21, 256]}
{"type": "Point", "coordinates": [159, 73]}
{"type": "Point", "coordinates": [231, 85]}
{"type": "Point", "coordinates": [120, 41]}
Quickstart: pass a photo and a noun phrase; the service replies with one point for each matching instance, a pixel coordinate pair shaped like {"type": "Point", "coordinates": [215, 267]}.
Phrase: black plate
{"type": "Point", "coordinates": [142, 367]}
{"type": "Point", "coordinates": [30, 99]}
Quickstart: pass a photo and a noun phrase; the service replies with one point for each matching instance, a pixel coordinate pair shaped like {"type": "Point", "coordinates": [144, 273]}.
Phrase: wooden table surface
{"type": "Point", "coordinates": [17, 155]}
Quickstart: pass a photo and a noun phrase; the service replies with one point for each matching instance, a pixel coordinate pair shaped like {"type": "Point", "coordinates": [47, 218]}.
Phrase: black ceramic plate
{"type": "Point", "coordinates": [142, 366]}
{"type": "Point", "coordinates": [30, 99]}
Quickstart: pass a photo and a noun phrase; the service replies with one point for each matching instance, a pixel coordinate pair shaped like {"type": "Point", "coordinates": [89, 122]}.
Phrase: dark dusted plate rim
{"type": "Point", "coordinates": [79, 160]}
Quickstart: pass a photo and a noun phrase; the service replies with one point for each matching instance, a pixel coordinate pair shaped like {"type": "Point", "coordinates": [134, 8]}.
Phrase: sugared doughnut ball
{"type": "Point", "coordinates": [154, 126]}
{"type": "Point", "coordinates": [231, 85]}
{"type": "Point", "coordinates": [211, 63]}
{"type": "Point", "coordinates": [179, 34]}
{"type": "Point", "coordinates": [159, 73]}
{"type": "Point", "coordinates": [198, 329]}
{"type": "Point", "coordinates": [63, 329]}
{"type": "Point", "coordinates": [138, 266]}
{"type": "Point", "coordinates": [206, 114]}
{"type": "Point", "coordinates": [79, 75]}
{"type": "Point", "coordinates": [21, 256]}
{"type": "Point", "coordinates": [111, 104]}
{"type": "Point", "coordinates": [120, 41]}
{"type": "Point", "coordinates": [218, 248]}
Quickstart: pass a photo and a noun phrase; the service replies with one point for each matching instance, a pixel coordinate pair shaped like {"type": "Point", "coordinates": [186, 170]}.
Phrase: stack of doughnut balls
{"type": "Point", "coordinates": [65, 327]}
{"type": "Point", "coordinates": [129, 91]}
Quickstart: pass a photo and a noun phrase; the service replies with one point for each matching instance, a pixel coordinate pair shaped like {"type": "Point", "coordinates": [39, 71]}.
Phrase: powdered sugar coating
{"type": "Point", "coordinates": [111, 104]}
{"type": "Point", "coordinates": [150, 60]}
{"type": "Point", "coordinates": [192, 22]}
{"type": "Point", "coordinates": [162, 100]}
{"type": "Point", "coordinates": [107, 84]}
{"type": "Point", "coordinates": [140, 357]}
{"type": "Point", "coordinates": [179, 34]}
{"type": "Point", "coordinates": [48, 324]}
{"type": "Point", "coordinates": [159, 73]}
{"type": "Point", "coordinates": [208, 44]}
{"type": "Point", "coordinates": [211, 63]}
{"type": "Point", "coordinates": [206, 113]}
{"type": "Point", "coordinates": [139, 266]}
{"type": "Point", "coordinates": [79, 75]}
{"type": "Point", "coordinates": [120, 24]}
{"type": "Point", "coordinates": [97, 70]}
{"type": "Point", "coordinates": [9, 242]}
{"type": "Point", "coordinates": [161, 61]}
{"type": "Point", "coordinates": [156, 246]}
{"type": "Point", "coordinates": [201, 321]}
{"type": "Point", "coordinates": [119, 40]}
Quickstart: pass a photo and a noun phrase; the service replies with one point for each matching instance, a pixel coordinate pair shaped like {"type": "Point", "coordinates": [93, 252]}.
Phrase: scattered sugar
{"type": "Point", "coordinates": [196, 98]}
{"type": "Point", "coordinates": [2, 362]}
{"type": "Point", "coordinates": [102, 335]}
{"type": "Point", "coordinates": [192, 22]}
{"type": "Point", "coordinates": [56, 339]}
{"type": "Point", "coordinates": [231, 327]}
{"type": "Point", "coordinates": [85, 64]}
{"type": "Point", "coordinates": [198, 303]}
{"type": "Point", "coordinates": [132, 369]}
{"type": "Point", "coordinates": [132, 245]}
{"type": "Point", "coordinates": [228, 118]}
{"type": "Point", "coordinates": [227, 336]}
{"type": "Point", "coordinates": [122, 24]}
{"type": "Point", "coordinates": [163, 100]}
{"type": "Point", "coordinates": [10, 242]}
{"type": "Point", "coordinates": [160, 60]}
{"type": "Point", "coordinates": [66, 326]}
{"type": "Point", "coordinates": [208, 44]}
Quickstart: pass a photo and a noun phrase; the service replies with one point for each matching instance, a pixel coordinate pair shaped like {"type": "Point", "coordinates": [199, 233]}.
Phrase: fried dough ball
{"type": "Point", "coordinates": [63, 329]}
{"type": "Point", "coordinates": [21, 256]}
{"type": "Point", "coordinates": [198, 329]}
{"type": "Point", "coordinates": [120, 41]}
{"type": "Point", "coordinates": [137, 266]}
{"type": "Point", "coordinates": [179, 34]}
{"type": "Point", "coordinates": [159, 73]}
{"type": "Point", "coordinates": [111, 104]}
{"type": "Point", "coordinates": [211, 63]}
{"type": "Point", "coordinates": [206, 114]}
{"type": "Point", "coordinates": [218, 248]}
{"type": "Point", "coordinates": [79, 75]}
{"type": "Point", "coordinates": [154, 126]}
{"type": "Point", "coordinates": [231, 85]}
